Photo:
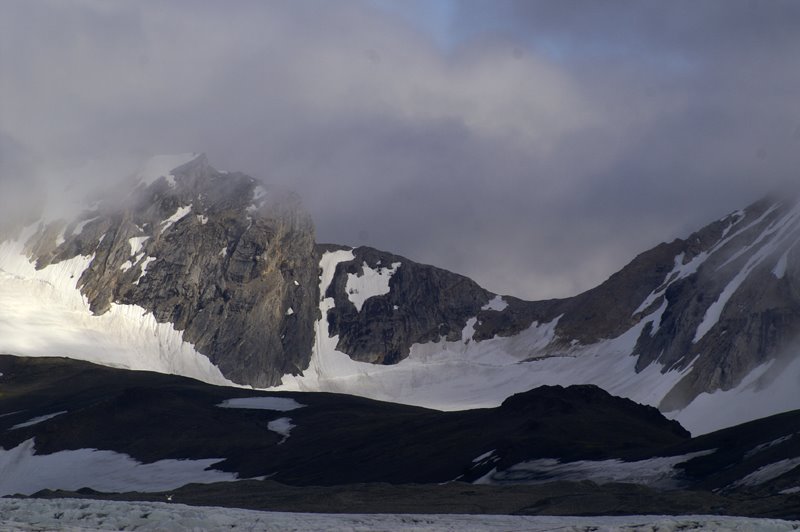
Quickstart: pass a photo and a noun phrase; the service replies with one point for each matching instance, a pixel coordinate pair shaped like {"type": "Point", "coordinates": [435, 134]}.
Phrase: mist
{"type": "Point", "coordinates": [535, 146]}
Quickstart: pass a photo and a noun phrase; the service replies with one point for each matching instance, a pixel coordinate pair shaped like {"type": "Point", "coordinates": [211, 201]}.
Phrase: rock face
{"type": "Point", "coordinates": [227, 261]}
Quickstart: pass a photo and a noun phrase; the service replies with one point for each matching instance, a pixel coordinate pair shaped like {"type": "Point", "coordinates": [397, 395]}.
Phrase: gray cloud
{"type": "Point", "coordinates": [538, 152]}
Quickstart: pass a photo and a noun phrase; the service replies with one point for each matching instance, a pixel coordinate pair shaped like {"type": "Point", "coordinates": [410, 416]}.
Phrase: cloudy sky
{"type": "Point", "coordinates": [536, 146]}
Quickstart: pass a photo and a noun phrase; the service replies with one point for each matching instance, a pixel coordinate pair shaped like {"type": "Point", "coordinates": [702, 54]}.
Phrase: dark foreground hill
{"type": "Point", "coordinates": [550, 450]}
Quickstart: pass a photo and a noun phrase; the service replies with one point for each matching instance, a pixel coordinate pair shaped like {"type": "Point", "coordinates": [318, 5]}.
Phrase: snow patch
{"type": "Point", "coordinates": [23, 472]}
{"type": "Point", "coordinates": [782, 229]}
{"type": "Point", "coordinates": [289, 311]}
{"type": "Point", "coordinates": [37, 420]}
{"type": "Point", "coordinates": [282, 426]}
{"type": "Point", "coordinates": [369, 284]}
{"type": "Point", "coordinates": [654, 472]}
{"type": "Point", "coordinates": [137, 243]}
{"type": "Point", "coordinates": [764, 446]}
{"type": "Point", "coordinates": [279, 404]}
{"type": "Point", "coordinates": [497, 303]}
{"type": "Point", "coordinates": [768, 472]}
{"type": "Point", "coordinates": [461, 375]}
{"type": "Point", "coordinates": [143, 267]}
{"type": "Point", "coordinates": [179, 215]}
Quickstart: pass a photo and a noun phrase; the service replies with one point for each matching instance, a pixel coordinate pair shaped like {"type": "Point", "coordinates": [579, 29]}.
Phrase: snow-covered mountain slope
{"type": "Point", "coordinates": [187, 270]}
{"type": "Point", "coordinates": [705, 328]}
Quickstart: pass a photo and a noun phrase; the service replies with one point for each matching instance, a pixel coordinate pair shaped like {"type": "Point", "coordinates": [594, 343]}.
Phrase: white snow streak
{"type": "Point", "coordinates": [37, 420]}
{"type": "Point", "coordinates": [179, 215]}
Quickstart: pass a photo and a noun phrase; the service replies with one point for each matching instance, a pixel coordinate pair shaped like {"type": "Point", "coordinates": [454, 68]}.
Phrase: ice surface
{"type": "Point", "coordinates": [23, 472]}
{"type": "Point", "coordinates": [370, 284]}
{"type": "Point", "coordinates": [37, 420]}
{"type": "Point", "coordinates": [88, 515]}
{"type": "Point", "coordinates": [654, 472]}
{"type": "Point", "coordinates": [279, 404]}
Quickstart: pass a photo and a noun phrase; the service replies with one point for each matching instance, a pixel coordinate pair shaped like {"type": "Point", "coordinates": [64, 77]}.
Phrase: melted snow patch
{"type": "Point", "coordinates": [279, 404]}
{"type": "Point", "coordinates": [370, 284]}
{"type": "Point", "coordinates": [23, 472]}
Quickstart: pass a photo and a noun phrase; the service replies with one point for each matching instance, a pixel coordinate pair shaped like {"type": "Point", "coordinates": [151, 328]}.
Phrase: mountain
{"type": "Point", "coordinates": [188, 270]}
{"type": "Point", "coordinates": [72, 428]}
